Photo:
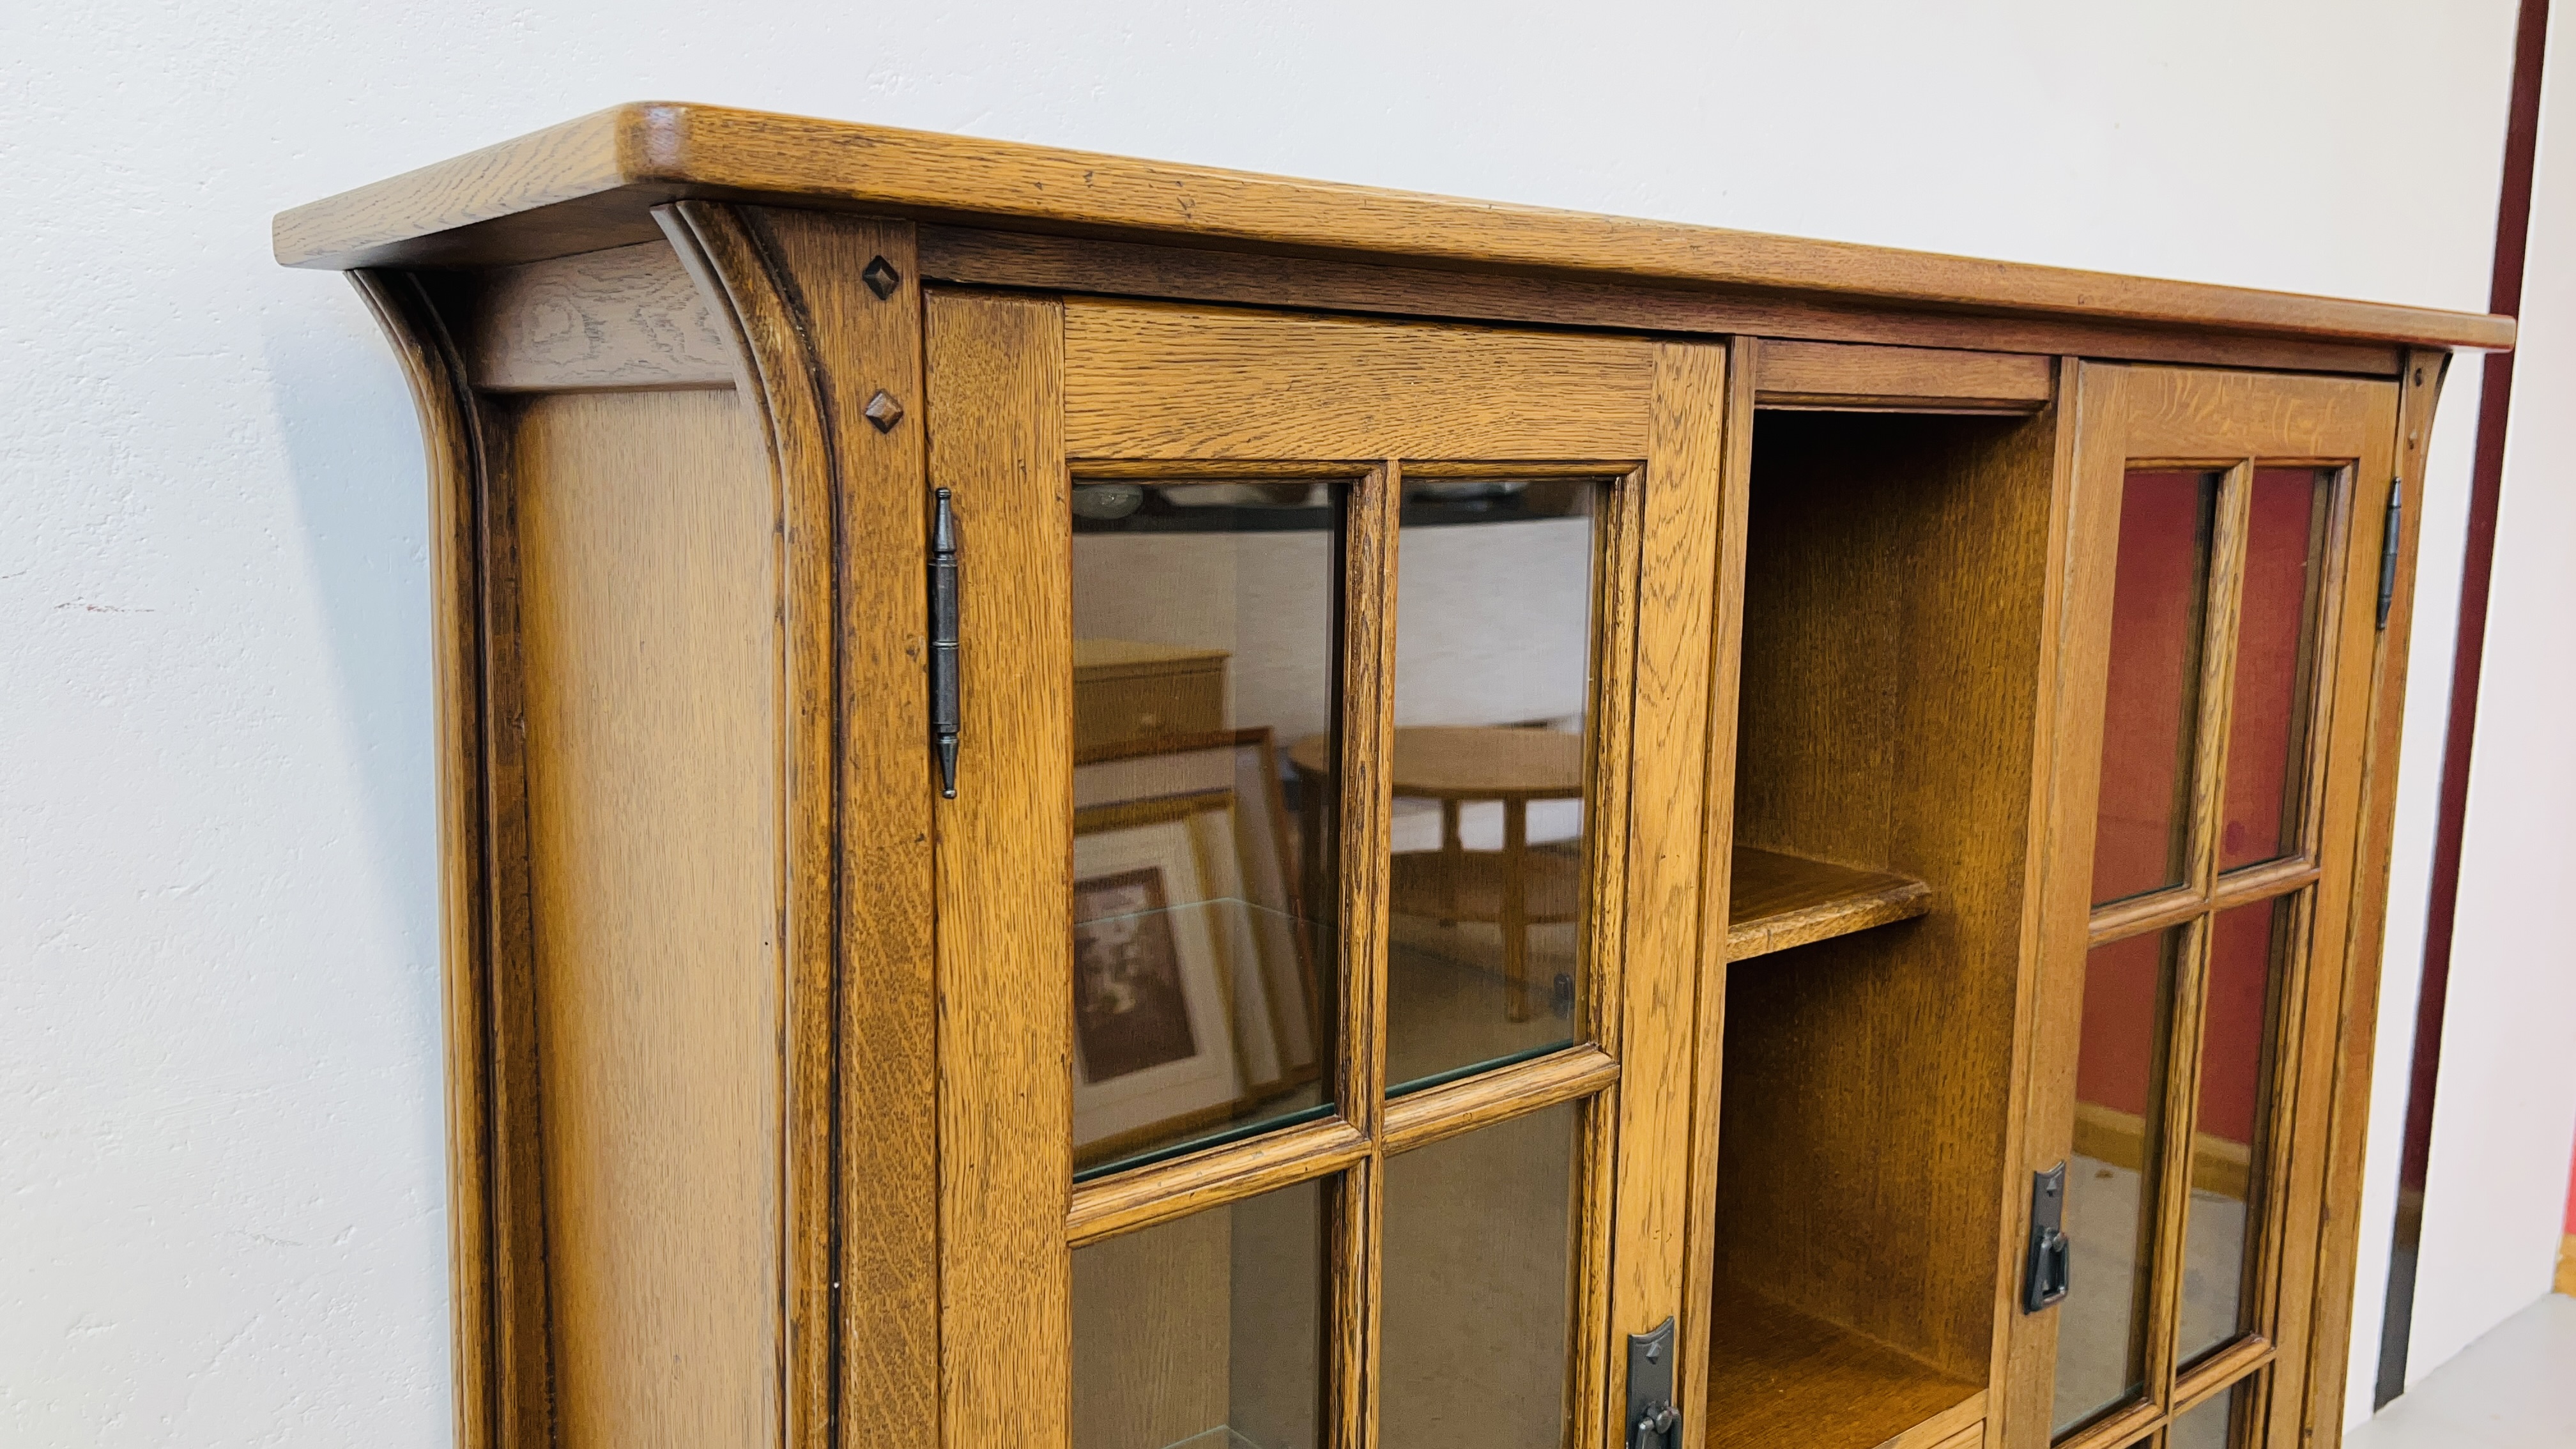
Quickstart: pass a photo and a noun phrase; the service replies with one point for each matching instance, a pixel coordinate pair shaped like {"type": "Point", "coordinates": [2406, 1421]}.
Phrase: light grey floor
{"type": "Point", "coordinates": [2513, 1389]}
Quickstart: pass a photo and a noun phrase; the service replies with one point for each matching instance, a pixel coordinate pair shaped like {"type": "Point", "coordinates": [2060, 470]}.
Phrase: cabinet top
{"type": "Point", "coordinates": [592, 183]}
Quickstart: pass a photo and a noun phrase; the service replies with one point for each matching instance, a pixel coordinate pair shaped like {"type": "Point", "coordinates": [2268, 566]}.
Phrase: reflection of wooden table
{"type": "Point", "coordinates": [1513, 888]}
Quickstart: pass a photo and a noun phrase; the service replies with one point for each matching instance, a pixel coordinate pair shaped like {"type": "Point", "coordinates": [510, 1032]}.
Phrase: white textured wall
{"type": "Point", "coordinates": [219, 1121]}
{"type": "Point", "coordinates": [2505, 1112]}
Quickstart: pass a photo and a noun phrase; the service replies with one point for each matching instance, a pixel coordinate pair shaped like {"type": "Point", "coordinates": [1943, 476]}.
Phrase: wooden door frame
{"type": "Point", "coordinates": [1227, 389]}
{"type": "Point", "coordinates": [2123, 413]}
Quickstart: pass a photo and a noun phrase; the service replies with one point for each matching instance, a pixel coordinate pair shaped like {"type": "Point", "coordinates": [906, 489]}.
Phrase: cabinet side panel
{"type": "Point", "coordinates": [651, 661]}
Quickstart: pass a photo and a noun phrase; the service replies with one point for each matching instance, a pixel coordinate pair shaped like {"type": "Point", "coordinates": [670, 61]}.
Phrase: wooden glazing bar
{"type": "Point", "coordinates": [2172, 908]}
{"type": "Point", "coordinates": [1350, 1356]}
{"type": "Point", "coordinates": [1367, 804]}
{"type": "Point", "coordinates": [2130, 1426]}
{"type": "Point", "coordinates": [2226, 590]}
{"type": "Point", "coordinates": [2168, 1210]}
{"type": "Point", "coordinates": [1592, 1375]}
{"type": "Point", "coordinates": [2229, 1367]}
{"type": "Point", "coordinates": [1429, 1116]}
{"type": "Point", "coordinates": [2266, 878]}
{"type": "Point", "coordinates": [2310, 705]}
{"type": "Point", "coordinates": [1203, 1180]}
{"type": "Point", "coordinates": [2285, 1024]}
{"type": "Point", "coordinates": [1609, 750]}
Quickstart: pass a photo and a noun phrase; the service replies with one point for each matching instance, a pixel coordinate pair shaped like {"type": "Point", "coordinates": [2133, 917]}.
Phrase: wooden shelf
{"type": "Point", "coordinates": [1780, 900]}
{"type": "Point", "coordinates": [1779, 1377]}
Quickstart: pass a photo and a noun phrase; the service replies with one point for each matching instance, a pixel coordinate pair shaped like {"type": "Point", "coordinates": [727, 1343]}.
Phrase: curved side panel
{"type": "Point", "coordinates": [483, 1316]}
{"type": "Point", "coordinates": [824, 314]}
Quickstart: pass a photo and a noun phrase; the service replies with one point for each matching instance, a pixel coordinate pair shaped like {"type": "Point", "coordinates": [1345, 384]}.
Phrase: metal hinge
{"type": "Point", "coordinates": [2045, 1277]}
{"type": "Point", "coordinates": [2388, 547]}
{"type": "Point", "coordinates": [1653, 1422]}
{"type": "Point", "coordinates": [944, 712]}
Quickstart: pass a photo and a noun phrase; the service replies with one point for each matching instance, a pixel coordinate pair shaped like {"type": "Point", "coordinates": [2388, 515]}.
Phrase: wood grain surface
{"type": "Point", "coordinates": [1700, 1247]}
{"type": "Point", "coordinates": [1420, 1118]}
{"type": "Point", "coordinates": [1849, 678]}
{"type": "Point", "coordinates": [587, 184]}
{"type": "Point", "coordinates": [995, 386]}
{"type": "Point", "coordinates": [1793, 1378]}
{"type": "Point", "coordinates": [2348, 1129]}
{"type": "Point", "coordinates": [828, 345]}
{"type": "Point", "coordinates": [435, 370]}
{"type": "Point", "coordinates": [2085, 538]}
{"type": "Point", "coordinates": [1158, 381]}
{"type": "Point", "coordinates": [735, 268]}
{"type": "Point", "coordinates": [649, 582]}
{"type": "Point", "coordinates": [1844, 376]}
{"type": "Point", "coordinates": [523, 1315]}
{"type": "Point", "coordinates": [1389, 288]}
{"type": "Point", "coordinates": [1780, 900]}
{"type": "Point", "coordinates": [626, 317]}
{"type": "Point", "coordinates": [1892, 640]}
{"type": "Point", "coordinates": [1676, 606]}
{"type": "Point", "coordinates": [1157, 1194]}
{"type": "Point", "coordinates": [2234, 422]}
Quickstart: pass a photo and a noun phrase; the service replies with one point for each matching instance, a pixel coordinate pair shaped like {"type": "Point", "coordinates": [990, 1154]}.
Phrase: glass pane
{"type": "Point", "coordinates": [1475, 1315]}
{"type": "Point", "coordinates": [1206, 1331]}
{"type": "Point", "coordinates": [1205, 626]}
{"type": "Point", "coordinates": [1493, 691]}
{"type": "Point", "coordinates": [2157, 602]}
{"type": "Point", "coordinates": [2227, 1137]}
{"type": "Point", "coordinates": [2110, 1181]}
{"type": "Point", "coordinates": [2207, 1425]}
{"type": "Point", "coordinates": [2275, 658]}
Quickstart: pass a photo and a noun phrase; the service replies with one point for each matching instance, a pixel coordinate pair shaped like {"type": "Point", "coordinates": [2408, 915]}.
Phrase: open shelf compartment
{"type": "Point", "coordinates": [1886, 742]}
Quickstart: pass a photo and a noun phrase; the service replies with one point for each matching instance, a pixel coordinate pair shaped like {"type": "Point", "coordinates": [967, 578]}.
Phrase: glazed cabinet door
{"type": "Point", "coordinates": [1318, 897]}
{"type": "Point", "coordinates": [2222, 602]}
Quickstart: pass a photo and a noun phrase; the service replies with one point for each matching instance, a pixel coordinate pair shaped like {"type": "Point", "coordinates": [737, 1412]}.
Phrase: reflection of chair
{"type": "Point", "coordinates": [1513, 888]}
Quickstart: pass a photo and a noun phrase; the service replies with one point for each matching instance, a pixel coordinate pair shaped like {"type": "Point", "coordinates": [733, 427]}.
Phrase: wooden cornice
{"type": "Point", "coordinates": [591, 183]}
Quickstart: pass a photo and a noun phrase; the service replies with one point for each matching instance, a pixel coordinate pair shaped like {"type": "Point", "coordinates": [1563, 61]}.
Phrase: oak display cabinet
{"type": "Point", "coordinates": [1103, 805]}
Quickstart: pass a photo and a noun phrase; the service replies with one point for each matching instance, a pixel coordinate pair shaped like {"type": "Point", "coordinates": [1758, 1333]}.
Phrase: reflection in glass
{"type": "Point", "coordinates": [2207, 1424]}
{"type": "Point", "coordinates": [2157, 602]}
{"type": "Point", "coordinates": [1204, 1331]}
{"type": "Point", "coordinates": [1493, 690]}
{"type": "Point", "coordinates": [2227, 1137]}
{"type": "Point", "coordinates": [1479, 1244]}
{"type": "Point", "coordinates": [1204, 623]}
{"type": "Point", "coordinates": [2275, 663]}
{"type": "Point", "coordinates": [2110, 1181]}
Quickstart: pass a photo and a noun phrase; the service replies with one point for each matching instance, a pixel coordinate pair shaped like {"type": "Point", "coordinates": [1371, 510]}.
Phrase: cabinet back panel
{"type": "Point", "coordinates": [649, 650]}
{"type": "Point", "coordinates": [1892, 646]}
